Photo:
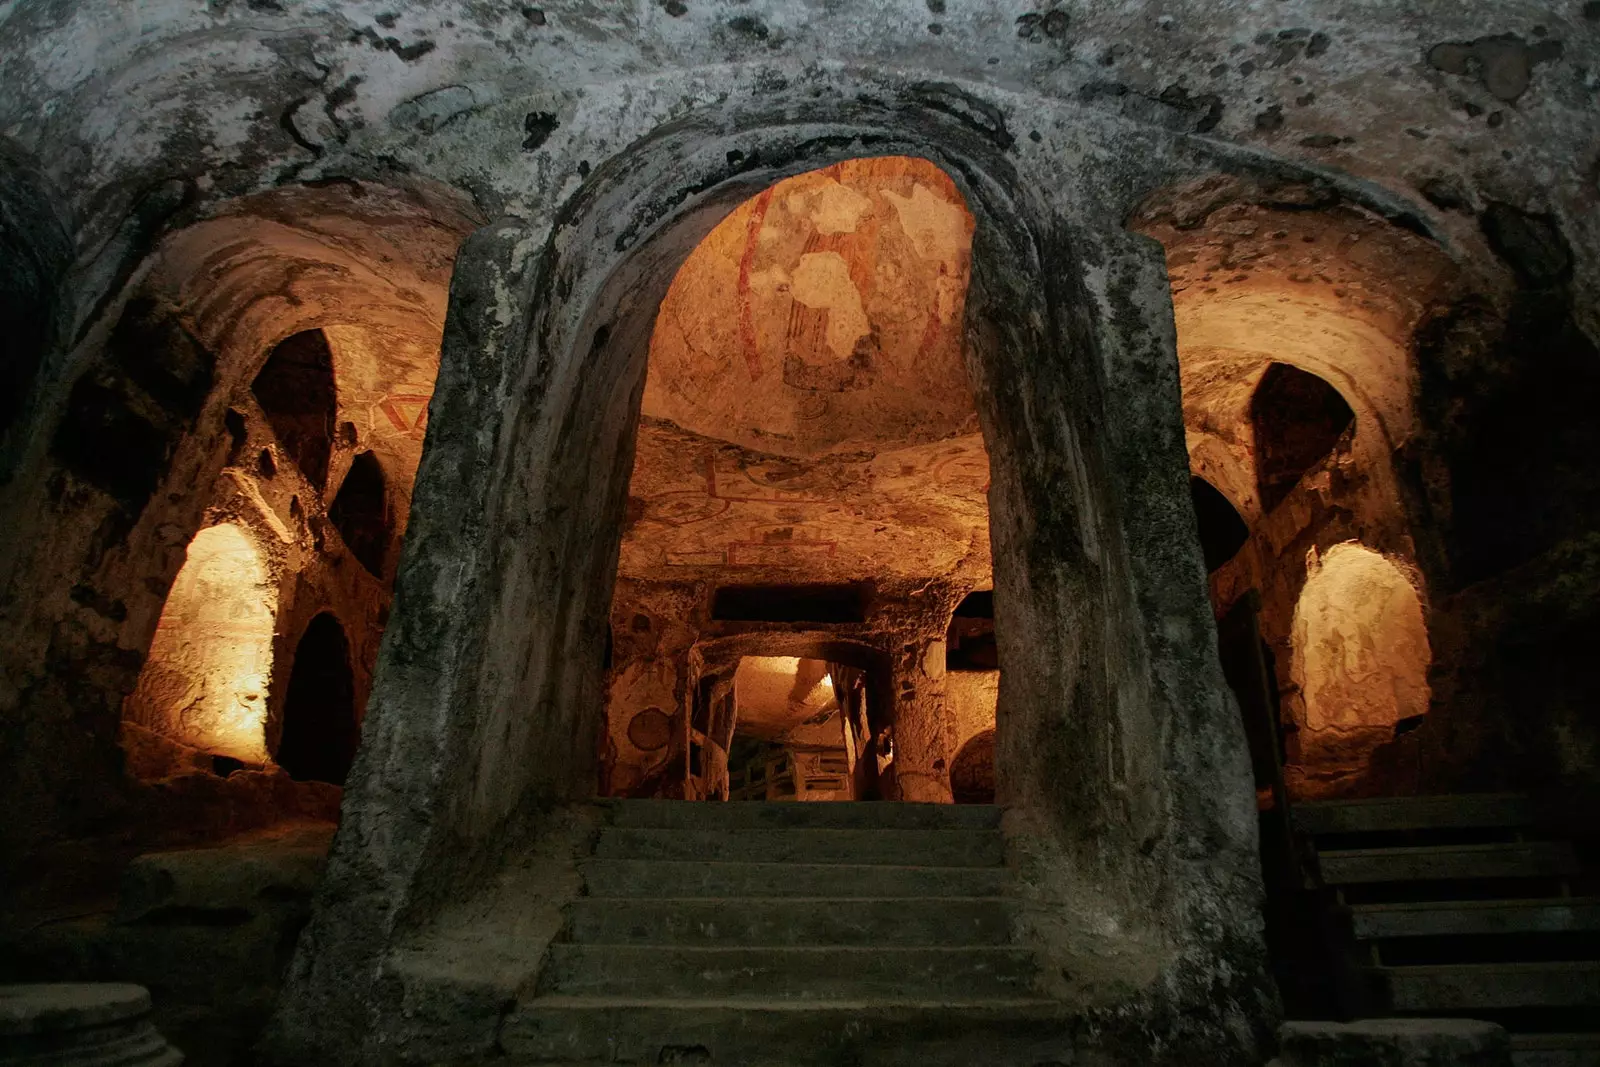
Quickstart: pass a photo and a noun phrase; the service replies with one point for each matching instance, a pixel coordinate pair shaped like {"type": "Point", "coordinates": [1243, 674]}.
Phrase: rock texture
{"type": "Point", "coordinates": [1398, 202]}
{"type": "Point", "coordinates": [1394, 1043]}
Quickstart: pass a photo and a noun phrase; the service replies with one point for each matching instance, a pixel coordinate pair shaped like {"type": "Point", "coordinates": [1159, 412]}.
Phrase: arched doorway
{"type": "Point", "coordinates": [505, 601]}
{"type": "Point", "coordinates": [320, 730]}
{"type": "Point", "coordinates": [1297, 419]}
{"type": "Point", "coordinates": [1222, 530]}
{"type": "Point", "coordinates": [204, 682]}
{"type": "Point", "coordinates": [1360, 662]}
{"type": "Point", "coordinates": [808, 454]}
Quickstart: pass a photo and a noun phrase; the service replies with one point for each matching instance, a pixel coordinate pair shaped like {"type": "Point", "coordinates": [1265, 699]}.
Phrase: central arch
{"type": "Point", "coordinates": [1116, 744]}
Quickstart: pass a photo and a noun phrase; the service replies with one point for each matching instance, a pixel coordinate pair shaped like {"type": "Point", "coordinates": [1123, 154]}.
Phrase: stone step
{"type": "Point", "coordinates": [825, 815]}
{"type": "Point", "coordinates": [1555, 1050]}
{"type": "Point", "coordinates": [825, 973]}
{"type": "Point", "coordinates": [1467, 811]}
{"type": "Point", "coordinates": [1557, 915]}
{"type": "Point", "coordinates": [934, 848]}
{"type": "Point", "coordinates": [1485, 986]}
{"type": "Point", "coordinates": [793, 921]}
{"type": "Point", "coordinates": [899, 1033]}
{"type": "Point", "coordinates": [1532, 859]}
{"type": "Point", "coordinates": [693, 878]}
{"type": "Point", "coordinates": [1392, 1043]}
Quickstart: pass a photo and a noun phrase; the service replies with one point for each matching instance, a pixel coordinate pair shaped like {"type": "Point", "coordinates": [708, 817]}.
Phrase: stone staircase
{"type": "Point", "coordinates": [791, 934]}
{"type": "Point", "coordinates": [1454, 905]}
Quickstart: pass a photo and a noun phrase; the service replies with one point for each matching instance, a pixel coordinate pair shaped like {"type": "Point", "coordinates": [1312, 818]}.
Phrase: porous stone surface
{"type": "Point", "coordinates": [184, 186]}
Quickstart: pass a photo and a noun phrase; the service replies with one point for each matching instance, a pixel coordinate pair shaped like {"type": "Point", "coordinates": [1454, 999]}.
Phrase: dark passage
{"type": "Point", "coordinates": [296, 392]}
{"type": "Point", "coordinates": [320, 732]}
{"type": "Point", "coordinates": [1297, 418]}
{"type": "Point", "coordinates": [1222, 531]}
{"type": "Point", "coordinates": [360, 513]}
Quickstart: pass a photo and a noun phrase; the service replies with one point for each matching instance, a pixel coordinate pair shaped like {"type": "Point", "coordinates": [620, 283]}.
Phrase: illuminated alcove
{"type": "Point", "coordinates": [204, 682]}
{"type": "Point", "coordinates": [320, 725]}
{"type": "Point", "coordinates": [1361, 659]}
{"type": "Point", "coordinates": [808, 455]}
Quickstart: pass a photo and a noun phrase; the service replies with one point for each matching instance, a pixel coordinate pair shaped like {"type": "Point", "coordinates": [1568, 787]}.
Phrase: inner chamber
{"type": "Point", "coordinates": [794, 617]}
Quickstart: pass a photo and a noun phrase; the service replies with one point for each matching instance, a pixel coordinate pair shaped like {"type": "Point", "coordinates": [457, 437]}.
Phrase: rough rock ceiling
{"type": "Point", "coordinates": [807, 406]}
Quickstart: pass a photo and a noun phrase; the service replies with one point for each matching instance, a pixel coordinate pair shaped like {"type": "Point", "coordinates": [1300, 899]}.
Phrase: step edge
{"type": "Point", "coordinates": [1513, 904]}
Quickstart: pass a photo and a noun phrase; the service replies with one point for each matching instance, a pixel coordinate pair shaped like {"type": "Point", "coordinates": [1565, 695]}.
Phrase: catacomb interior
{"type": "Point", "coordinates": [809, 471]}
{"type": "Point", "coordinates": [974, 523]}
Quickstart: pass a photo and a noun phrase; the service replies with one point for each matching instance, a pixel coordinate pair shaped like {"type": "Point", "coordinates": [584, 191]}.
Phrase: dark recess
{"type": "Point", "coordinates": [295, 389]}
{"type": "Point", "coordinates": [1297, 418]}
{"type": "Point", "coordinates": [1222, 531]}
{"type": "Point", "coordinates": [789, 603]}
{"type": "Point", "coordinates": [970, 643]}
{"type": "Point", "coordinates": [320, 731]}
{"type": "Point", "coordinates": [360, 513]}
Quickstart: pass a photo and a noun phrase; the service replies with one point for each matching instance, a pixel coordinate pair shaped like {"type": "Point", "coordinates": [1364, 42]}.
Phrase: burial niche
{"type": "Point", "coordinates": [1297, 419]}
{"type": "Point", "coordinates": [808, 459]}
{"type": "Point", "coordinates": [296, 391]}
{"type": "Point", "coordinates": [204, 682]}
{"type": "Point", "coordinates": [1361, 661]}
{"type": "Point", "coordinates": [320, 729]}
{"type": "Point", "coordinates": [360, 512]}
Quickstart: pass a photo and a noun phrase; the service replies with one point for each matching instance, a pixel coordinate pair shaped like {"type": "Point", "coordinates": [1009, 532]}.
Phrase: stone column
{"type": "Point", "coordinates": [921, 726]}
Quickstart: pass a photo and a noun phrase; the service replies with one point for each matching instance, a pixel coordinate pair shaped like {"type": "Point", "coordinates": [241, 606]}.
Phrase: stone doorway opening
{"type": "Point", "coordinates": [808, 456]}
{"type": "Point", "coordinates": [1118, 760]}
{"type": "Point", "coordinates": [791, 739]}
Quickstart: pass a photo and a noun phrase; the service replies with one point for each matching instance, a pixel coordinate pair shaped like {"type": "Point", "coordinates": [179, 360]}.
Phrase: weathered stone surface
{"type": "Point", "coordinates": [1394, 1043]}
{"type": "Point", "coordinates": [259, 169]}
{"type": "Point", "coordinates": [63, 1025]}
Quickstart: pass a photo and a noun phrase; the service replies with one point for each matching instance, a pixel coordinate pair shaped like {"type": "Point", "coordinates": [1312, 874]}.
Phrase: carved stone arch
{"type": "Point", "coordinates": [489, 688]}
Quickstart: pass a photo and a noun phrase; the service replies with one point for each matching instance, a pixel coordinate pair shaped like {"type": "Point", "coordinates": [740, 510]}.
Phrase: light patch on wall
{"type": "Point", "coordinates": [822, 283]}
{"type": "Point", "coordinates": [1361, 643]}
{"type": "Point", "coordinates": [833, 208]}
{"type": "Point", "coordinates": [938, 229]}
{"type": "Point", "coordinates": [204, 683]}
{"type": "Point", "coordinates": [823, 315]}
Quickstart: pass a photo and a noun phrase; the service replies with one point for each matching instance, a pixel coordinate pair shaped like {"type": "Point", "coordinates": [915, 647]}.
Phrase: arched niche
{"type": "Point", "coordinates": [297, 392]}
{"type": "Point", "coordinates": [1222, 530]}
{"type": "Point", "coordinates": [204, 682]}
{"type": "Point", "coordinates": [320, 727]}
{"type": "Point", "coordinates": [361, 513]}
{"type": "Point", "coordinates": [1361, 658]}
{"type": "Point", "coordinates": [1297, 419]}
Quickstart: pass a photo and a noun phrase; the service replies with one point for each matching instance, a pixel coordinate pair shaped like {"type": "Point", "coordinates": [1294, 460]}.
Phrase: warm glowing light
{"type": "Point", "coordinates": [205, 681]}
{"type": "Point", "coordinates": [1361, 643]}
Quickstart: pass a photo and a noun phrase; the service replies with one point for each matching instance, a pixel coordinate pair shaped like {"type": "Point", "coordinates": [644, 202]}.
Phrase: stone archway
{"type": "Point", "coordinates": [491, 677]}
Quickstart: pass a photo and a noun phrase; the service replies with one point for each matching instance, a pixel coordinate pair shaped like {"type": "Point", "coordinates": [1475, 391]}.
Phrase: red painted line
{"type": "Point", "coordinates": [747, 325]}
